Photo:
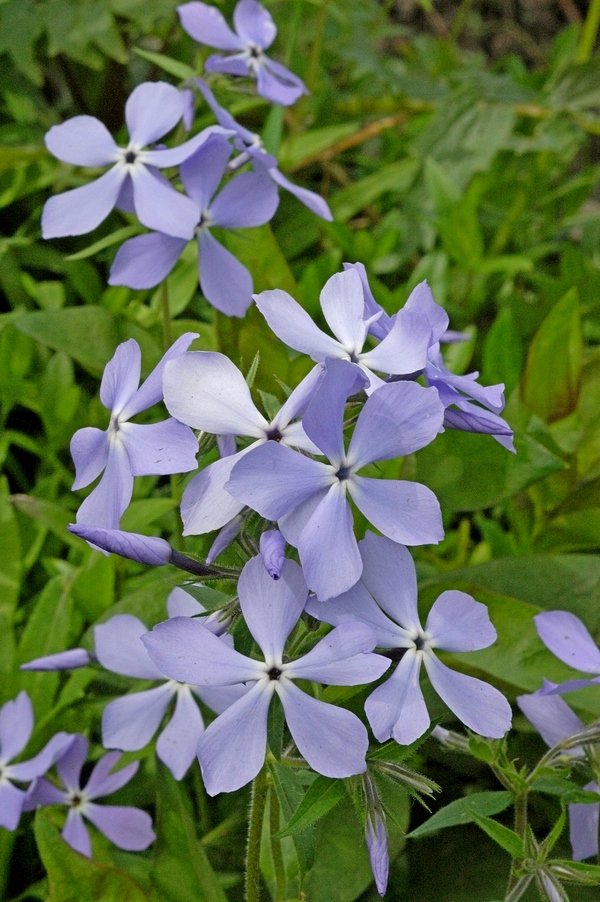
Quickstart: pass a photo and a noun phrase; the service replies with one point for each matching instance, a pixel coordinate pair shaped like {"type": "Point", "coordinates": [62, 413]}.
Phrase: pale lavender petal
{"type": "Point", "coordinates": [152, 110]}
{"type": "Point", "coordinates": [380, 322]}
{"type": "Point", "coordinates": [357, 606]}
{"type": "Point", "coordinates": [177, 743]}
{"type": "Point", "coordinates": [75, 833]}
{"type": "Point", "coordinates": [151, 390]}
{"type": "Point", "coordinates": [294, 327]}
{"type": "Point", "coordinates": [404, 349]}
{"type": "Point", "coordinates": [104, 507]}
{"type": "Point", "coordinates": [160, 448]}
{"type": "Point", "coordinates": [144, 261]}
{"type": "Point", "coordinates": [329, 537]}
{"type": "Point", "coordinates": [102, 782]}
{"type": "Point", "coordinates": [457, 622]}
{"type": "Point", "coordinates": [231, 65]}
{"type": "Point", "coordinates": [70, 764]}
{"type": "Point", "coordinates": [224, 117]}
{"type": "Point", "coordinates": [300, 398]}
{"type": "Point", "coordinates": [480, 706]}
{"type": "Point", "coordinates": [89, 450]}
{"type": "Point", "coordinates": [551, 716]}
{"type": "Point", "coordinates": [333, 740]}
{"type": "Point", "coordinates": [277, 83]}
{"type": "Point", "coordinates": [16, 726]}
{"type": "Point", "coordinates": [470, 418]}
{"type": "Point", "coordinates": [567, 638]}
{"type": "Point", "coordinates": [225, 537]}
{"type": "Point", "coordinates": [294, 436]}
{"type": "Point", "coordinates": [187, 651]}
{"type": "Point", "coordinates": [207, 26]}
{"type": "Point", "coordinates": [188, 98]}
{"type": "Point", "coordinates": [80, 210]}
{"type": "Point", "coordinates": [225, 282]}
{"type": "Point", "coordinates": [128, 828]}
{"type": "Point", "coordinates": [390, 576]}
{"type": "Point", "coordinates": [271, 608]}
{"type": "Point", "coordinates": [323, 422]}
{"type": "Point", "coordinates": [567, 686]}
{"type": "Point", "coordinates": [232, 749]}
{"type": "Point", "coordinates": [82, 141]}
{"type": "Point", "coordinates": [174, 156]}
{"type": "Point", "coordinates": [377, 844]}
{"type": "Point", "coordinates": [121, 376]}
{"type": "Point", "coordinates": [63, 660]}
{"type": "Point", "coordinates": [145, 549]}
{"type": "Point", "coordinates": [181, 604]}
{"type": "Point", "coordinates": [54, 749]}
{"type": "Point", "coordinates": [205, 504]}
{"type": "Point", "coordinates": [583, 827]}
{"type": "Point", "coordinates": [227, 445]}
{"type": "Point", "coordinates": [41, 793]}
{"type": "Point", "coordinates": [342, 302]}
{"type": "Point", "coordinates": [421, 300]}
{"type": "Point", "coordinates": [162, 208]}
{"type": "Point", "coordinates": [11, 805]}
{"type": "Point", "coordinates": [119, 647]}
{"type": "Point", "coordinates": [397, 419]}
{"type": "Point", "coordinates": [208, 392]}
{"type": "Point", "coordinates": [397, 707]}
{"type": "Point", "coordinates": [406, 512]}
{"type": "Point", "coordinates": [254, 24]}
{"type": "Point", "coordinates": [310, 199]}
{"type": "Point", "coordinates": [272, 551]}
{"type": "Point", "coordinates": [202, 172]}
{"type": "Point", "coordinates": [219, 698]}
{"type": "Point", "coordinates": [273, 479]}
{"type": "Point", "coordinates": [130, 722]}
{"type": "Point", "coordinates": [248, 200]}
{"type": "Point", "coordinates": [341, 659]}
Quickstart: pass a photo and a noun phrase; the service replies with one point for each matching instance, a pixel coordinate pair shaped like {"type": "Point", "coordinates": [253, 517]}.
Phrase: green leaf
{"type": "Point", "coordinates": [552, 376]}
{"type": "Point", "coordinates": [290, 785]}
{"type": "Point", "coordinates": [141, 514]}
{"type": "Point", "coordinates": [462, 811]}
{"type": "Point", "coordinates": [501, 835]}
{"type": "Point", "coordinates": [10, 552]}
{"type": "Point", "coordinates": [51, 516]}
{"type": "Point", "coordinates": [87, 334]}
{"type": "Point", "coordinates": [502, 352]}
{"type": "Point", "coordinates": [295, 151]}
{"type": "Point", "coordinates": [568, 792]}
{"type": "Point", "coordinates": [181, 871]}
{"type": "Point", "coordinates": [74, 878]}
{"type": "Point", "coordinates": [103, 243]}
{"type": "Point", "coordinates": [395, 177]}
{"type": "Point", "coordinates": [322, 796]}
{"type": "Point", "coordinates": [576, 871]}
{"type": "Point", "coordinates": [167, 64]}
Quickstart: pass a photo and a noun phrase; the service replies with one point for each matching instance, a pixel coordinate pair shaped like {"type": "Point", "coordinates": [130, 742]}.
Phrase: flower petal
{"type": "Point", "coordinates": [328, 548]}
{"type": "Point", "coordinates": [397, 707]}
{"type": "Point", "coordinates": [82, 141]}
{"type": "Point", "coordinates": [54, 749]}
{"type": "Point", "coordinates": [89, 450]}
{"type": "Point", "coordinates": [11, 805]}
{"type": "Point", "coordinates": [342, 658]}
{"type": "Point", "coordinates": [207, 26]}
{"type": "Point", "coordinates": [16, 726]}
{"type": "Point", "coordinates": [80, 210]}
{"type": "Point", "coordinates": [272, 551]}
{"type": "Point", "coordinates": [225, 282]}
{"type": "Point", "coordinates": [160, 448]}
{"type": "Point", "coordinates": [397, 419]}
{"type": "Point", "coordinates": [62, 660]}
{"type": "Point", "coordinates": [333, 740]}
{"type": "Point", "coordinates": [357, 606]}
{"type": "Point", "coordinates": [75, 833]}
{"type": "Point", "coordinates": [271, 608]}
{"type": "Point", "coordinates": [145, 549]}
{"type": "Point", "coordinates": [404, 349]}
{"type": "Point", "coordinates": [232, 749]}
{"type": "Point", "coordinates": [161, 208]}
{"type": "Point", "coordinates": [254, 24]}
{"type": "Point", "coordinates": [277, 83]}
{"type": "Point", "coordinates": [390, 576]}
{"type": "Point", "coordinates": [70, 764]}
{"type": "Point", "coordinates": [377, 844]}
{"type": "Point", "coordinates": [315, 203]}
{"type": "Point", "coordinates": [457, 622]}
{"type": "Point", "coordinates": [152, 110]}
{"type": "Point", "coordinates": [41, 793]}
{"type": "Point", "coordinates": [231, 65]}
{"type": "Point", "coordinates": [151, 390]}
{"type": "Point", "coordinates": [567, 638]}
{"type": "Point", "coordinates": [406, 512]}
{"type": "Point", "coordinates": [205, 504]}
{"type": "Point", "coordinates": [248, 200]}
{"type": "Point", "coordinates": [144, 261]}
{"type": "Point", "coordinates": [119, 647]}
{"type": "Point", "coordinates": [128, 828]}
{"type": "Point", "coordinates": [178, 742]}
{"type": "Point", "coordinates": [300, 398]}
{"type": "Point", "coordinates": [292, 524]}
{"type": "Point", "coordinates": [551, 716]}
{"type": "Point", "coordinates": [202, 172]}
{"type": "Point", "coordinates": [583, 827]}
{"type": "Point", "coordinates": [104, 506]}
{"type": "Point", "coordinates": [323, 422]}
{"type": "Point", "coordinates": [181, 604]}
{"type": "Point", "coordinates": [130, 722]}
{"type": "Point", "coordinates": [421, 300]}
{"type": "Point", "coordinates": [480, 706]}
{"type": "Point", "coordinates": [343, 303]}
{"type": "Point", "coordinates": [102, 782]}
{"type": "Point", "coordinates": [121, 376]}
{"type": "Point", "coordinates": [294, 327]}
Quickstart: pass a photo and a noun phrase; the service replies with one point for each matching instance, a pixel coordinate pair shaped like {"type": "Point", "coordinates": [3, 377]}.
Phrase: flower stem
{"type": "Point", "coordinates": [588, 33]}
{"type": "Point", "coordinates": [278, 865]}
{"type": "Point", "coordinates": [258, 799]}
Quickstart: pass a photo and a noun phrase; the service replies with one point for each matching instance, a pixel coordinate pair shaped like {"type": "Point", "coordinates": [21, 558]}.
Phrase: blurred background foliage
{"type": "Point", "coordinates": [456, 142]}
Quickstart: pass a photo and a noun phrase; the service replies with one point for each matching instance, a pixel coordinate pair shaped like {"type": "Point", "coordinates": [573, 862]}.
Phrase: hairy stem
{"type": "Point", "coordinates": [258, 799]}
{"type": "Point", "coordinates": [278, 865]}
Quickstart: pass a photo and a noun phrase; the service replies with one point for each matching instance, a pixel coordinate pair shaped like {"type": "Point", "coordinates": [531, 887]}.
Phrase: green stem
{"type": "Point", "coordinates": [7, 841]}
{"type": "Point", "coordinates": [520, 830]}
{"type": "Point", "coordinates": [588, 33]}
{"type": "Point", "coordinates": [166, 315]}
{"type": "Point", "coordinates": [201, 802]}
{"type": "Point", "coordinates": [278, 865]}
{"type": "Point", "coordinates": [258, 800]}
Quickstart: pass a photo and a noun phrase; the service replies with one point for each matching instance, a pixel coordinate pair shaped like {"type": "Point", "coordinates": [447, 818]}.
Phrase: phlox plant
{"type": "Point", "coordinates": [291, 658]}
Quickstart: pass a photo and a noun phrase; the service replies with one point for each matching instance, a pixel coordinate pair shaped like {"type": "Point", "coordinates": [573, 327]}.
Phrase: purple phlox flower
{"type": "Point", "coordinates": [152, 110]}
{"type": "Point", "coordinates": [232, 749]}
{"type": "Point", "coordinates": [403, 350]}
{"type": "Point", "coordinates": [568, 638]}
{"type": "Point", "coordinates": [252, 148]}
{"type": "Point", "coordinates": [457, 393]}
{"type": "Point", "coordinates": [132, 545]}
{"type": "Point", "coordinates": [376, 835]}
{"type": "Point", "coordinates": [386, 600]}
{"type": "Point", "coordinates": [272, 551]}
{"type": "Point", "coordinates": [73, 659]}
{"type": "Point", "coordinates": [16, 727]}
{"type": "Point", "coordinates": [250, 199]}
{"type": "Point", "coordinates": [127, 449]}
{"type": "Point", "coordinates": [308, 498]}
{"type": "Point", "coordinates": [128, 828]}
{"type": "Point", "coordinates": [254, 32]}
{"type": "Point", "coordinates": [188, 101]}
{"type": "Point", "coordinates": [224, 538]}
{"type": "Point", "coordinates": [208, 392]}
{"type": "Point", "coordinates": [554, 721]}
